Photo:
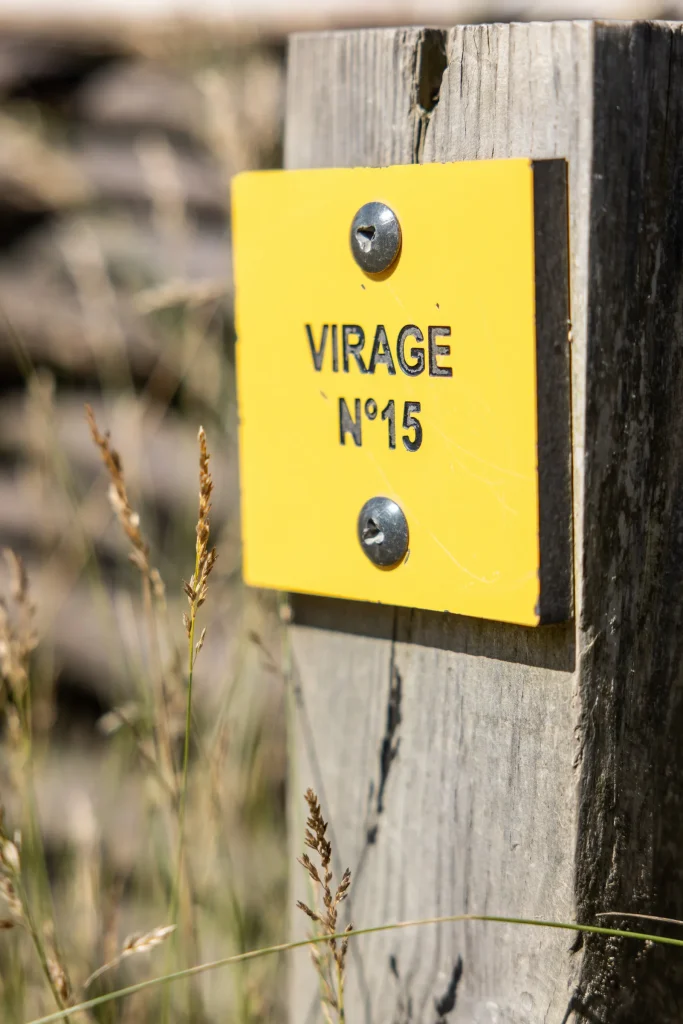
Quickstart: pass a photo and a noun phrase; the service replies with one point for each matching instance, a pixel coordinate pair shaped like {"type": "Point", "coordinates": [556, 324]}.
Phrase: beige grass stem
{"type": "Point", "coordinates": [151, 583]}
{"type": "Point", "coordinates": [50, 967]}
{"type": "Point", "coordinates": [18, 640]}
{"type": "Point", "coordinates": [196, 591]}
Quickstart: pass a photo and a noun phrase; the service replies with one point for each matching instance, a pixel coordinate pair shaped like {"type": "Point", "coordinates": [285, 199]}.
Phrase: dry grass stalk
{"type": "Point", "coordinates": [18, 636]}
{"type": "Point", "coordinates": [18, 640]}
{"type": "Point", "coordinates": [179, 293]}
{"type": "Point", "coordinates": [8, 892]}
{"type": "Point", "coordinates": [13, 892]}
{"type": "Point", "coordinates": [152, 587]}
{"type": "Point", "coordinates": [135, 944]}
{"type": "Point", "coordinates": [196, 591]}
{"type": "Point", "coordinates": [161, 169]}
{"type": "Point", "coordinates": [128, 714]}
{"type": "Point", "coordinates": [118, 498]}
{"type": "Point", "coordinates": [205, 557]}
{"type": "Point", "coordinates": [157, 750]}
{"type": "Point", "coordinates": [59, 979]}
{"type": "Point", "coordinates": [9, 895]}
{"type": "Point", "coordinates": [31, 163]}
{"type": "Point", "coordinates": [329, 959]}
{"type": "Point", "coordinates": [10, 869]}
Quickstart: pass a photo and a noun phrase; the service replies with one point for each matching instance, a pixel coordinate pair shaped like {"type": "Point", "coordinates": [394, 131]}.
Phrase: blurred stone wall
{"type": "Point", "coordinates": [115, 289]}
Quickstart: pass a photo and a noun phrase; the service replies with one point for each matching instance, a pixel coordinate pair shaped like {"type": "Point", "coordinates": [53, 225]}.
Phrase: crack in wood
{"type": "Point", "coordinates": [429, 67]}
{"type": "Point", "coordinates": [390, 741]}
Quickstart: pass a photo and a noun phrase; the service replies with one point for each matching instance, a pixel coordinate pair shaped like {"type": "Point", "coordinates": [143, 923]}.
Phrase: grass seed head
{"type": "Point", "coordinates": [137, 943]}
{"type": "Point", "coordinates": [57, 973]}
{"type": "Point", "coordinates": [309, 913]}
{"type": "Point", "coordinates": [315, 839]}
{"type": "Point", "coordinates": [205, 557]}
{"type": "Point", "coordinates": [59, 979]}
{"type": "Point", "coordinates": [18, 635]}
{"type": "Point", "coordinates": [146, 941]}
{"type": "Point", "coordinates": [119, 501]}
{"type": "Point", "coordinates": [9, 895]}
{"type": "Point", "coordinates": [9, 857]}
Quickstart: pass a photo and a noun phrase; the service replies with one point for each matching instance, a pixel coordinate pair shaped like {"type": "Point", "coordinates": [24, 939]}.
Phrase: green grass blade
{"type": "Point", "coordinates": [284, 947]}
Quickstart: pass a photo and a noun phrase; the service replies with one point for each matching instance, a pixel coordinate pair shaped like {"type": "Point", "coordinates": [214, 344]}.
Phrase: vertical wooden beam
{"type": "Point", "coordinates": [630, 827]}
{"type": "Point", "coordinates": [474, 766]}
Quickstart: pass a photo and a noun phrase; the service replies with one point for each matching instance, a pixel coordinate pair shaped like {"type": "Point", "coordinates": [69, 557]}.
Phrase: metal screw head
{"type": "Point", "coordinates": [375, 238]}
{"type": "Point", "coordinates": [383, 532]}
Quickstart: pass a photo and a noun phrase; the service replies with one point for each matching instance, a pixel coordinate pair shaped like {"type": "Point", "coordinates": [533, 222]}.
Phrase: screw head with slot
{"type": "Point", "coordinates": [375, 237]}
{"type": "Point", "coordinates": [383, 532]}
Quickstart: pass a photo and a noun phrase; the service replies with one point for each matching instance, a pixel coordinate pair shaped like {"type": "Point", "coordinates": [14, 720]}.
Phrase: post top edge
{"type": "Point", "coordinates": [580, 23]}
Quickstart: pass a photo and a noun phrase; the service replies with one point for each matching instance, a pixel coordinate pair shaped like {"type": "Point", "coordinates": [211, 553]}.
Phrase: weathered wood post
{"type": "Point", "coordinates": [468, 765]}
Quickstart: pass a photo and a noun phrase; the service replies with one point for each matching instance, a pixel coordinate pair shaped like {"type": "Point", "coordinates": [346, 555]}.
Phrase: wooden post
{"type": "Point", "coordinates": [468, 766]}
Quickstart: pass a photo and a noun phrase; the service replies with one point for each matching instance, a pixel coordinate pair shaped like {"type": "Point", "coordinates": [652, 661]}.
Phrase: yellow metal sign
{"type": "Point", "coordinates": [419, 385]}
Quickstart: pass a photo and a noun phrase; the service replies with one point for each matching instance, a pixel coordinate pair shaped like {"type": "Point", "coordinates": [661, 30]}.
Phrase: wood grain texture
{"type": "Point", "coordinates": [630, 839]}
{"type": "Point", "coordinates": [471, 766]}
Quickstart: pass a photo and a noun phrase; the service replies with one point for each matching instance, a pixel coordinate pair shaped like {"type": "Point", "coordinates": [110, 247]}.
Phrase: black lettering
{"type": "Point", "coordinates": [381, 353]}
{"type": "Point", "coordinates": [389, 413]}
{"type": "Point", "coordinates": [317, 353]}
{"type": "Point", "coordinates": [438, 350]}
{"type": "Point", "coordinates": [412, 422]}
{"type": "Point", "coordinates": [412, 369]}
{"type": "Point", "coordinates": [335, 350]}
{"type": "Point", "coordinates": [347, 425]}
{"type": "Point", "coordinates": [353, 348]}
{"type": "Point", "coordinates": [371, 408]}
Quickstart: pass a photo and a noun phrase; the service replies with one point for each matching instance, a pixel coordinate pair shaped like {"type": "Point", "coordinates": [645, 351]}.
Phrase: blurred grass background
{"type": "Point", "coordinates": [115, 289]}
